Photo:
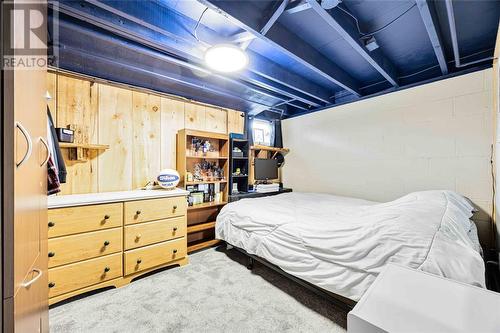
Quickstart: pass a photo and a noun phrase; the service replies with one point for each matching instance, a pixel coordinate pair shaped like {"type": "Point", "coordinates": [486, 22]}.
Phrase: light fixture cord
{"type": "Point", "coordinates": [197, 24]}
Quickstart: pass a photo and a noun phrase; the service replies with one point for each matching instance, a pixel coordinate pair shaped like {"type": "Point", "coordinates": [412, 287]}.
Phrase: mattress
{"type": "Point", "coordinates": [341, 244]}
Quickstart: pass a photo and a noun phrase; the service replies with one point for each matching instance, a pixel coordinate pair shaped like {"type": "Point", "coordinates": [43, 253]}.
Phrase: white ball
{"type": "Point", "coordinates": [168, 178]}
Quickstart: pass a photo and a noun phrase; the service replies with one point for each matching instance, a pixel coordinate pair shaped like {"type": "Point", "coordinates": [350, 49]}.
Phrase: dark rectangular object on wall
{"type": "Point", "coordinates": [265, 169]}
{"type": "Point", "coordinates": [65, 135]}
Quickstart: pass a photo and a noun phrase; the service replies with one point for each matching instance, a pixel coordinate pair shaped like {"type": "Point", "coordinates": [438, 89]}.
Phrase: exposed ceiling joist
{"type": "Point", "coordinates": [138, 29]}
{"type": "Point", "coordinates": [347, 31]}
{"type": "Point", "coordinates": [274, 17]}
{"type": "Point", "coordinates": [97, 58]}
{"type": "Point", "coordinates": [297, 6]}
{"type": "Point", "coordinates": [240, 13]}
{"type": "Point", "coordinates": [241, 37]}
{"type": "Point", "coordinates": [429, 19]}
{"type": "Point", "coordinates": [175, 38]}
{"type": "Point", "coordinates": [275, 14]}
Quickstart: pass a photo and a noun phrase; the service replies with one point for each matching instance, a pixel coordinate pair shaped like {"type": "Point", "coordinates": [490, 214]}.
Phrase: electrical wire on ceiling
{"type": "Point", "coordinates": [198, 24]}
{"type": "Point", "coordinates": [426, 69]}
{"type": "Point", "coordinates": [367, 35]}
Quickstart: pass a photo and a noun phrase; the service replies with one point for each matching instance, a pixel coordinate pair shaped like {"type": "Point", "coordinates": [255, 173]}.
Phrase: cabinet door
{"type": "Point", "coordinates": [29, 223]}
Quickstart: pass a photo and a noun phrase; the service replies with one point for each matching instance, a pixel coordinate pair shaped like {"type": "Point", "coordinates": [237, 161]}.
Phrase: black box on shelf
{"type": "Point", "coordinates": [65, 135]}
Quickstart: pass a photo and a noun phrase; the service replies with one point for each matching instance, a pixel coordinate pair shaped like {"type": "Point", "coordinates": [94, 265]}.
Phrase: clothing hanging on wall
{"type": "Point", "coordinates": [58, 160]}
{"type": "Point", "coordinates": [53, 184]}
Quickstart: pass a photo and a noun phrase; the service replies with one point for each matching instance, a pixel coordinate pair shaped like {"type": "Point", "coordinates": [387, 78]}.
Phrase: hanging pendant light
{"type": "Point", "coordinates": [226, 58]}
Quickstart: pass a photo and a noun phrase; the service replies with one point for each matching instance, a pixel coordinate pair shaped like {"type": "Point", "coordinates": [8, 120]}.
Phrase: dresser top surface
{"type": "Point", "coordinates": [72, 200]}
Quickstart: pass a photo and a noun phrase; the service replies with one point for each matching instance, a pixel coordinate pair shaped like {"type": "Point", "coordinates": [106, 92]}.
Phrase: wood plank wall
{"type": "Point", "coordinates": [139, 126]}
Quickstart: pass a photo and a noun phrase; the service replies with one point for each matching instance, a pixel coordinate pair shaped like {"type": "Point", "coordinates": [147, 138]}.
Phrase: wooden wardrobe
{"type": "Point", "coordinates": [24, 185]}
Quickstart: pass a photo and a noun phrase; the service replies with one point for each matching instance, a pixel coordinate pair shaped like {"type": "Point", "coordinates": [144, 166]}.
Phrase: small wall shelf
{"type": "Point", "coordinates": [79, 151]}
{"type": "Point", "coordinates": [279, 150]}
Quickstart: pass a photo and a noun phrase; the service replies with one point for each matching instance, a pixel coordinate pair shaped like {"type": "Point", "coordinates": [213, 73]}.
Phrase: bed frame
{"type": "Point", "coordinates": [339, 301]}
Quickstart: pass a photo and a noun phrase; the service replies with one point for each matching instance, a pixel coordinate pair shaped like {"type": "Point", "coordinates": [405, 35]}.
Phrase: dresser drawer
{"type": "Point", "coordinates": [69, 249]}
{"type": "Point", "coordinates": [83, 274]}
{"type": "Point", "coordinates": [142, 234]}
{"type": "Point", "coordinates": [154, 255]}
{"type": "Point", "coordinates": [73, 220]}
{"type": "Point", "coordinates": [154, 209]}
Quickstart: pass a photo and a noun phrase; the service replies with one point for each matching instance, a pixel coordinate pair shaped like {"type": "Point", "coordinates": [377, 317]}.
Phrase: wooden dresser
{"type": "Point", "coordinates": [107, 239]}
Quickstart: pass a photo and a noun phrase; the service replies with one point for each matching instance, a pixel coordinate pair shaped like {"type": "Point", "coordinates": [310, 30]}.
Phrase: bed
{"type": "Point", "coordinates": [341, 244]}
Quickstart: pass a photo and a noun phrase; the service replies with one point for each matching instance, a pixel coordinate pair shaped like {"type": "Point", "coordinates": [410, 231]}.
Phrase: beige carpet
{"type": "Point", "coordinates": [214, 293]}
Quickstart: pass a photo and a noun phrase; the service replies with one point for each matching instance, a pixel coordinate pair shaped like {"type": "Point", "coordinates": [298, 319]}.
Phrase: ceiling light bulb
{"type": "Point", "coordinates": [226, 58]}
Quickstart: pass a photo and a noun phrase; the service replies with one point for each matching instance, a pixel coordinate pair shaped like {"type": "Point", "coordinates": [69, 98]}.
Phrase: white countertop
{"type": "Point", "coordinates": [406, 300]}
{"type": "Point", "coordinates": [72, 200]}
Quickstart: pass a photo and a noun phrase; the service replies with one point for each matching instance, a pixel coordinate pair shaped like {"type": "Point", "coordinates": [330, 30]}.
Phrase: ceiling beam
{"type": "Point", "coordinates": [347, 31]}
{"type": "Point", "coordinates": [430, 21]}
{"type": "Point", "coordinates": [175, 38]}
{"type": "Point", "coordinates": [274, 17]}
{"type": "Point", "coordinates": [297, 6]}
{"type": "Point", "coordinates": [99, 59]}
{"type": "Point", "coordinates": [152, 14]}
{"type": "Point", "coordinates": [241, 37]}
{"type": "Point", "coordinates": [244, 15]}
{"type": "Point", "coordinates": [275, 14]}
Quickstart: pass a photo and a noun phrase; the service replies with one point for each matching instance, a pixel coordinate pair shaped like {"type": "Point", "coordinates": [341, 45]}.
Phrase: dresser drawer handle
{"type": "Point", "coordinates": [51, 254]}
{"type": "Point", "coordinates": [175, 251]}
{"type": "Point", "coordinates": [52, 284]}
{"type": "Point", "coordinates": [139, 261]}
{"type": "Point", "coordinates": [138, 212]}
{"type": "Point", "coordinates": [106, 243]}
{"type": "Point", "coordinates": [33, 280]}
{"type": "Point", "coordinates": [175, 207]}
{"type": "Point", "coordinates": [51, 224]}
{"type": "Point", "coordinates": [107, 217]}
{"type": "Point", "coordinates": [175, 229]}
{"type": "Point", "coordinates": [106, 269]}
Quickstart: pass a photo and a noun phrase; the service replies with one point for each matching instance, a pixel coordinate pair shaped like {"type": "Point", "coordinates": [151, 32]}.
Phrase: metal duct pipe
{"type": "Point", "coordinates": [454, 40]}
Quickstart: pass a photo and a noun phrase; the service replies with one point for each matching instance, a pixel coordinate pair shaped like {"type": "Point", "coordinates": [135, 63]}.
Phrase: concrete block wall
{"type": "Point", "coordinates": [434, 136]}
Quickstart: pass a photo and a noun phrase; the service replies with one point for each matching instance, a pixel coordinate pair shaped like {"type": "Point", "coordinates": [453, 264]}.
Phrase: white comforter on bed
{"type": "Point", "coordinates": [341, 244]}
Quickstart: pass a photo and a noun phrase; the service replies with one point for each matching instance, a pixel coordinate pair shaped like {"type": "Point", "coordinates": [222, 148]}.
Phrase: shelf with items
{"type": "Point", "coordinates": [80, 151]}
{"type": "Point", "coordinates": [206, 182]}
{"type": "Point", "coordinates": [239, 167]}
{"type": "Point", "coordinates": [207, 157]}
{"type": "Point", "coordinates": [203, 166]}
{"type": "Point", "coordinates": [206, 205]}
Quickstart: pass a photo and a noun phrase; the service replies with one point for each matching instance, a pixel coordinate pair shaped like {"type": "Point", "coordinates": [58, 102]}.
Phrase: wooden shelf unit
{"type": "Point", "coordinates": [241, 162]}
{"type": "Point", "coordinates": [201, 217]}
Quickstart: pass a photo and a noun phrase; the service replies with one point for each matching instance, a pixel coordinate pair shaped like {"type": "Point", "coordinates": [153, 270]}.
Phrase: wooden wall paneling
{"type": "Point", "coordinates": [52, 90]}
{"type": "Point", "coordinates": [146, 141]}
{"type": "Point", "coordinates": [172, 120]}
{"type": "Point", "coordinates": [215, 120]}
{"type": "Point", "coordinates": [195, 116]}
{"type": "Point", "coordinates": [77, 108]}
{"type": "Point", "coordinates": [116, 130]}
{"type": "Point", "coordinates": [235, 122]}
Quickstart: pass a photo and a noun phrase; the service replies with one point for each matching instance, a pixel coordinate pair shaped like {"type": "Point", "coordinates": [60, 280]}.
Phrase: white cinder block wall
{"type": "Point", "coordinates": [434, 136]}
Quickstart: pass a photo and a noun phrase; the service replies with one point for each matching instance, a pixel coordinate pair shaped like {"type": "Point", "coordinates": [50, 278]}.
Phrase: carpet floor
{"type": "Point", "coordinates": [214, 293]}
